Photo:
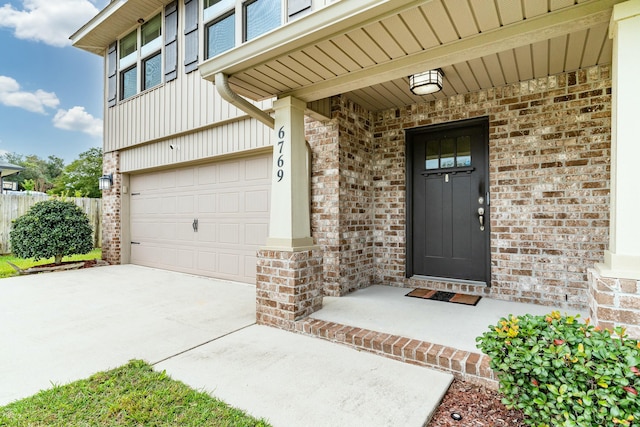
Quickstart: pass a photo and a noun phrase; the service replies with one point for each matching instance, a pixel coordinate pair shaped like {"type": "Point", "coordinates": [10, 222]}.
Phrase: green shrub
{"type": "Point", "coordinates": [563, 372]}
{"type": "Point", "coordinates": [52, 228]}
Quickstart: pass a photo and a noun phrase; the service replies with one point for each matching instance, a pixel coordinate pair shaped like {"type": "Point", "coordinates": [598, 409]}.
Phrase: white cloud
{"type": "Point", "coordinates": [77, 119]}
{"type": "Point", "coordinates": [47, 21]}
{"type": "Point", "coordinates": [12, 96]}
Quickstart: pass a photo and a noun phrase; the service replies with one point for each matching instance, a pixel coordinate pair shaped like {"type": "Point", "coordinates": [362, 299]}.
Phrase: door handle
{"type": "Point", "coordinates": [481, 218]}
{"type": "Point", "coordinates": [195, 225]}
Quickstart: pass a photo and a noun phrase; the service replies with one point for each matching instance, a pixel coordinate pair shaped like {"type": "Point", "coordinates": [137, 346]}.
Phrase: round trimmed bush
{"type": "Point", "coordinates": [52, 228]}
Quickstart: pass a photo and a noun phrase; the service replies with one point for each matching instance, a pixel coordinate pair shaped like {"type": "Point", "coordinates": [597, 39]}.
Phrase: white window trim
{"type": "Point", "coordinates": [138, 58]}
{"type": "Point", "coordinates": [218, 9]}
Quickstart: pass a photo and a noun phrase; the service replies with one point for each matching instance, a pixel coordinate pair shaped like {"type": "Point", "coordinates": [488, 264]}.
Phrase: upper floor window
{"type": "Point", "coordinates": [145, 57]}
{"type": "Point", "coordinates": [221, 22]}
{"type": "Point", "coordinates": [260, 16]}
{"type": "Point", "coordinates": [140, 59]}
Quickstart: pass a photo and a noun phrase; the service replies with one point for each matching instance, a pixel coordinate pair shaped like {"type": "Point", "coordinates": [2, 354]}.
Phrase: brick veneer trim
{"type": "Point", "coordinates": [111, 210]}
{"type": "Point", "coordinates": [469, 366]}
{"type": "Point", "coordinates": [614, 303]}
{"type": "Point", "coordinates": [288, 286]}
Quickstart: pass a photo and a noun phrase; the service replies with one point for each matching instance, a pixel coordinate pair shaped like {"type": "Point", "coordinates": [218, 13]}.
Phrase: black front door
{"type": "Point", "coordinates": [448, 206]}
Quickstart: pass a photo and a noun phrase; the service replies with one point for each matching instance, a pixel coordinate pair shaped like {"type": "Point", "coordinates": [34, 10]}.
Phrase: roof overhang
{"type": "Point", "coordinates": [7, 169]}
{"type": "Point", "coordinates": [276, 64]}
{"type": "Point", "coordinates": [118, 17]}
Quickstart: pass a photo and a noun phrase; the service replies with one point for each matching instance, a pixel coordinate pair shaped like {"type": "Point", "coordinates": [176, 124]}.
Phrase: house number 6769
{"type": "Point", "coordinates": [280, 161]}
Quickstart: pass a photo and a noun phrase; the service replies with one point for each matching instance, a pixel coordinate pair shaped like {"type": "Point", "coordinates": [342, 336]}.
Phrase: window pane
{"type": "Point", "coordinates": [152, 71]}
{"type": "Point", "coordinates": [129, 82]}
{"type": "Point", "coordinates": [433, 154]}
{"type": "Point", "coordinates": [261, 16]}
{"type": "Point", "coordinates": [221, 36]}
{"type": "Point", "coordinates": [151, 30]}
{"type": "Point", "coordinates": [463, 157]}
{"type": "Point", "coordinates": [129, 44]}
{"type": "Point", "coordinates": [209, 3]}
{"type": "Point", "coordinates": [448, 147]}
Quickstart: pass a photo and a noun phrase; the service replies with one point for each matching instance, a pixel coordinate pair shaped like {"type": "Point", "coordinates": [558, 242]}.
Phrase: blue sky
{"type": "Point", "coordinates": [50, 92]}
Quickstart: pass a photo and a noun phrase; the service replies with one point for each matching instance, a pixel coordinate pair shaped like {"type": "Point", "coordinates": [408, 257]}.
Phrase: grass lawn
{"type": "Point", "coordinates": [6, 270]}
{"type": "Point", "coordinates": [132, 395]}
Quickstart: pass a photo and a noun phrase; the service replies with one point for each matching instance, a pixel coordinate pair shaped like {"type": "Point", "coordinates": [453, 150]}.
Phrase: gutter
{"type": "Point", "coordinates": [225, 91]}
{"type": "Point", "coordinates": [222, 86]}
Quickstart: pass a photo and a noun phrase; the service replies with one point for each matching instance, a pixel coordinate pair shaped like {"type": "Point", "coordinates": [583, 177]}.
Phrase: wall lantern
{"type": "Point", "coordinates": [426, 82]}
{"type": "Point", "coordinates": [105, 182]}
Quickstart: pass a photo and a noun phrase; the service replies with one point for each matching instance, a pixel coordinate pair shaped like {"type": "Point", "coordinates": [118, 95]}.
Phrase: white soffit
{"type": "Point", "coordinates": [367, 49]}
{"type": "Point", "coordinates": [118, 17]}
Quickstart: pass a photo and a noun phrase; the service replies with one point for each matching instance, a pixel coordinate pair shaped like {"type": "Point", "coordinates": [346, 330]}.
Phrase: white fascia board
{"type": "Point", "coordinates": [337, 18]}
{"type": "Point", "coordinates": [94, 23]}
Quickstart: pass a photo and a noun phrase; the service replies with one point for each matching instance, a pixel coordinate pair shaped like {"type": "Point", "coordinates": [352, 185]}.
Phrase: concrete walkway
{"type": "Point", "coordinates": [60, 327]}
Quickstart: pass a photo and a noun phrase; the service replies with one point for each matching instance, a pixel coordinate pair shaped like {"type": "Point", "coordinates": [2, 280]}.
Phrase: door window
{"type": "Point", "coordinates": [448, 153]}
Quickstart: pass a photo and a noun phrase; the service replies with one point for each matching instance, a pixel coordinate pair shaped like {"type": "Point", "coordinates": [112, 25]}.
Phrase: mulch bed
{"type": "Point", "coordinates": [478, 406]}
{"type": "Point", "coordinates": [87, 264]}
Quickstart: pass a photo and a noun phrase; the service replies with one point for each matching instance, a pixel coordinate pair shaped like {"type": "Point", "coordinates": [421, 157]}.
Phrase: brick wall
{"type": "Point", "coordinates": [549, 155]}
{"type": "Point", "coordinates": [342, 196]}
{"type": "Point", "coordinates": [111, 206]}
{"type": "Point", "coordinates": [615, 303]}
{"type": "Point", "coordinates": [325, 200]}
{"type": "Point", "coordinates": [288, 286]}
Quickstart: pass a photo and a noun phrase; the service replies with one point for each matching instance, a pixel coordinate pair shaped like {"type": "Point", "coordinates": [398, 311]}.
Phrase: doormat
{"type": "Point", "coordinates": [445, 296]}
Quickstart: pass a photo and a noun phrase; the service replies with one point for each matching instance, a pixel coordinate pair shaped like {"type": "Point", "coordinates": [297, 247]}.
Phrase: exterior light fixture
{"type": "Point", "coordinates": [426, 82]}
{"type": "Point", "coordinates": [105, 182]}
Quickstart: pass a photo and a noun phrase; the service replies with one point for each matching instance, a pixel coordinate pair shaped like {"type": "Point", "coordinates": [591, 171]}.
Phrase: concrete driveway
{"type": "Point", "coordinates": [60, 327]}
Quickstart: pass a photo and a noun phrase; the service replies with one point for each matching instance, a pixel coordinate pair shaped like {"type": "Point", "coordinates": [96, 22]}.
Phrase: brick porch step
{"type": "Point", "coordinates": [465, 365]}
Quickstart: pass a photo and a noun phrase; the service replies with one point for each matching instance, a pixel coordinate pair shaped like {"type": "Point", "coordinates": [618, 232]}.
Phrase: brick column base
{"type": "Point", "coordinates": [614, 302]}
{"type": "Point", "coordinates": [288, 286]}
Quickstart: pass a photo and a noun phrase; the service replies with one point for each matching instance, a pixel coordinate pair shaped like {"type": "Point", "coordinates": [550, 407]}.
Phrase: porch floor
{"type": "Point", "coordinates": [386, 309]}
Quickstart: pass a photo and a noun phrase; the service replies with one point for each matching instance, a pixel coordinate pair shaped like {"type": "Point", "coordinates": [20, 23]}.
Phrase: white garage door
{"type": "Point", "coordinates": [207, 219]}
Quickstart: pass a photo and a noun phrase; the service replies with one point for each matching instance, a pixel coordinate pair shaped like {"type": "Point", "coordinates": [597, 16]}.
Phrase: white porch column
{"type": "Point", "coordinates": [622, 260]}
{"type": "Point", "coordinates": [289, 226]}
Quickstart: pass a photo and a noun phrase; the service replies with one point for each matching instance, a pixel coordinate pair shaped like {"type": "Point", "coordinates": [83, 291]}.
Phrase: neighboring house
{"type": "Point", "coordinates": [515, 181]}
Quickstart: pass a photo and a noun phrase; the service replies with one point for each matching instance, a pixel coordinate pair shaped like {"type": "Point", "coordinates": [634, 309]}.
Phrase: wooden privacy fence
{"type": "Point", "coordinates": [13, 206]}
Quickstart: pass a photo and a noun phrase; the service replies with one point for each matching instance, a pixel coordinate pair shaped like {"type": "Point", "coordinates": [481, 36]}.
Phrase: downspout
{"type": "Point", "coordinates": [225, 91]}
{"type": "Point", "coordinates": [222, 86]}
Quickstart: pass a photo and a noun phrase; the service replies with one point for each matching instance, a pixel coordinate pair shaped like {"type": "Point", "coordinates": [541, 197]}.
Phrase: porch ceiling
{"type": "Point", "coordinates": [367, 48]}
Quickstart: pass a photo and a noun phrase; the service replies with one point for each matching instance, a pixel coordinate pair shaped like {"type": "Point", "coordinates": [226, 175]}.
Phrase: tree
{"type": "Point", "coordinates": [52, 228]}
{"type": "Point", "coordinates": [80, 178]}
{"type": "Point", "coordinates": [39, 173]}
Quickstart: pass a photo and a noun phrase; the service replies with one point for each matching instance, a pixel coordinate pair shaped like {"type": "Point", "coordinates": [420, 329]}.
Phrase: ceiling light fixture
{"type": "Point", "coordinates": [426, 82]}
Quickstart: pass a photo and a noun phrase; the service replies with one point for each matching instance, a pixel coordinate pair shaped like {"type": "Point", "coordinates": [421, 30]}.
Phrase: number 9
{"type": "Point", "coordinates": [280, 174]}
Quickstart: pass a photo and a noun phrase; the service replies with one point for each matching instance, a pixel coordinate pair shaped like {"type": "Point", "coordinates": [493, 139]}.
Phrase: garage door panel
{"type": "Point", "coordinates": [229, 203]}
{"type": "Point", "coordinates": [255, 234]}
{"type": "Point", "coordinates": [229, 264]}
{"type": "Point", "coordinates": [208, 261]}
{"type": "Point", "coordinates": [230, 233]}
{"type": "Point", "coordinates": [168, 205]}
{"type": "Point", "coordinates": [207, 175]}
{"type": "Point", "coordinates": [207, 203]}
{"type": "Point", "coordinates": [207, 231]}
{"type": "Point", "coordinates": [250, 266]}
{"type": "Point", "coordinates": [230, 199]}
{"type": "Point", "coordinates": [229, 172]}
{"type": "Point", "coordinates": [167, 180]}
{"type": "Point", "coordinates": [256, 201]}
{"type": "Point", "coordinates": [257, 169]}
{"type": "Point", "coordinates": [185, 177]}
{"type": "Point", "coordinates": [186, 259]}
